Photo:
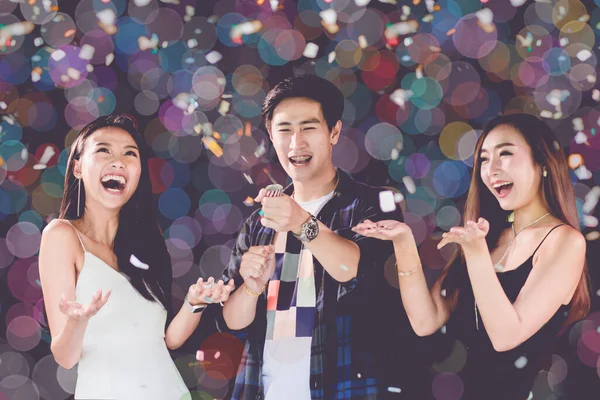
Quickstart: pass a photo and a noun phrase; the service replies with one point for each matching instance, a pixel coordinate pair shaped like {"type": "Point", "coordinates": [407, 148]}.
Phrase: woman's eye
{"type": "Point", "coordinates": [482, 159]}
{"type": "Point", "coordinates": [131, 153]}
{"type": "Point", "coordinates": [102, 149]}
{"type": "Point", "coordinates": [505, 153]}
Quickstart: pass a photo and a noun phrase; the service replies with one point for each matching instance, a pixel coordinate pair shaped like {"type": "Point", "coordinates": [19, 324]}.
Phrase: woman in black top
{"type": "Point", "coordinates": [518, 276]}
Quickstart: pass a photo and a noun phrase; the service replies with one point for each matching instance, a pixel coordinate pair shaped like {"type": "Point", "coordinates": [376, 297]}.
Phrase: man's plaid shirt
{"type": "Point", "coordinates": [350, 358]}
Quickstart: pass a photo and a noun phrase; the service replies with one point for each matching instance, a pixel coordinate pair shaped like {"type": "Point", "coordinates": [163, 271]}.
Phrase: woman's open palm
{"type": "Point", "coordinates": [78, 311]}
{"type": "Point", "coordinates": [383, 230]}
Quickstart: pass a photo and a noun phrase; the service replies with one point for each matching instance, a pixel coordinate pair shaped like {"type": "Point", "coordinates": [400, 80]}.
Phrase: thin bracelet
{"type": "Point", "coordinates": [407, 273]}
{"type": "Point", "coordinates": [251, 293]}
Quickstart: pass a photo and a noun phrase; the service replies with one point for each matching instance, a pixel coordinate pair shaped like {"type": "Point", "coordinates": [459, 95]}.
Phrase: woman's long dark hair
{"type": "Point", "coordinates": [557, 193]}
{"type": "Point", "coordinates": [138, 232]}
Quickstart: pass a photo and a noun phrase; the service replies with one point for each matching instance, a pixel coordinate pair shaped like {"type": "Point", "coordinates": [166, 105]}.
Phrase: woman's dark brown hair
{"type": "Point", "coordinates": [138, 232]}
{"type": "Point", "coordinates": [557, 193]}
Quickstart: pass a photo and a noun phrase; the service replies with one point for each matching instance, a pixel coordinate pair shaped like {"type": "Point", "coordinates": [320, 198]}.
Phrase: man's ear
{"type": "Point", "coordinates": [77, 169]}
{"type": "Point", "coordinates": [335, 132]}
{"type": "Point", "coordinates": [268, 126]}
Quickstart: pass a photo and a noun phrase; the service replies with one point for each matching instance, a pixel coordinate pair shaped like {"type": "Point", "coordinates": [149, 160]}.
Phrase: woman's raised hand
{"type": "Point", "coordinates": [209, 292]}
{"type": "Point", "coordinates": [78, 311]}
{"type": "Point", "coordinates": [383, 230]}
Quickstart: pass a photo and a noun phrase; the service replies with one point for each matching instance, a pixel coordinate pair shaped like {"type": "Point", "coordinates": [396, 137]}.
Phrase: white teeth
{"type": "Point", "coordinates": [300, 158]}
{"type": "Point", "coordinates": [497, 185]}
{"type": "Point", "coordinates": [117, 178]}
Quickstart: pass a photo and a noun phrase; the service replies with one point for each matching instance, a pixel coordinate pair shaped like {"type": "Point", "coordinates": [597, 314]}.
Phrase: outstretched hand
{"type": "Point", "coordinates": [468, 236]}
{"type": "Point", "coordinates": [78, 311]}
{"type": "Point", "coordinates": [383, 230]}
{"type": "Point", "coordinates": [209, 292]}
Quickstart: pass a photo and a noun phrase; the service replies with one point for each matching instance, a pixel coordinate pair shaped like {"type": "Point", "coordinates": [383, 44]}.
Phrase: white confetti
{"type": "Point", "coordinates": [141, 3]}
{"type": "Point", "coordinates": [583, 173]}
{"type": "Point", "coordinates": [89, 68]}
{"type": "Point", "coordinates": [245, 28]}
{"type": "Point", "coordinates": [310, 50]}
{"type": "Point", "coordinates": [328, 16]}
{"type": "Point", "coordinates": [17, 29]}
{"type": "Point", "coordinates": [563, 41]}
{"type": "Point", "coordinates": [107, 16]}
{"type": "Point", "coordinates": [109, 59]}
{"type": "Point", "coordinates": [395, 153]}
{"type": "Point", "coordinates": [580, 138]}
{"type": "Point", "coordinates": [594, 235]}
{"type": "Point", "coordinates": [137, 263]}
{"type": "Point", "coordinates": [410, 184]}
{"type": "Point", "coordinates": [398, 197]}
{"type": "Point", "coordinates": [87, 52]}
{"type": "Point", "coordinates": [362, 41]}
{"type": "Point", "coordinates": [393, 389]}
{"type": "Point", "coordinates": [214, 57]}
{"type": "Point", "coordinates": [200, 355]}
{"type": "Point", "coordinates": [224, 107]}
{"type": "Point", "coordinates": [517, 3]}
{"type": "Point", "coordinates": [386, 201]}
{"type": "Point", "coordinates": [521, 362]}
{"type": "Point", "coordinates": [401, 96]}
{"type": "Point", "coordinates": [46, 156]}
{"type": "Point", "coordinates": [485, 16]}
{"type": "Point", "coordinates": [591, 199]}
{"type": "Point", "coordinates": [73, 73]}
{"type": "Point", "coordinates": [217, 355]}
{"type": "Point", "coordinates": [192, 43]}
{"type": "Point", "coordinates": [38, 41]}
{"type": "Point", "coordinates": [58, 55]}
{"type": "Point", "coordinates": [3, 105]}
{"type": "Point", "coordinates": [590, 221]}
{"type": "Point", "coordinates": [331, 57]}
{"type": "Point", "coordinates": [362, 3]}
{"type": "Point", "coordinates": [578, 124]}
{"type": "Point", "coordinates": [546, 114]}
{"type": "Point", "coordinates": [401, 28]}
{"type": "Point", "coordinates": [584, 55]}
{"type": "Point", "coordinates": [261, 149]}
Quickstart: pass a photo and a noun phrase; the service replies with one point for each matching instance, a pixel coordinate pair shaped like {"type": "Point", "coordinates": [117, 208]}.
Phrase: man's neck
{"type": "Point", "coordinates": [315, 188]}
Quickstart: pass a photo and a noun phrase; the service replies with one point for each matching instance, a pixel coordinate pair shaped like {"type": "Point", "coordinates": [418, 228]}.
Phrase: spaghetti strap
{"type": "Point", "coordinates": [549, 232]}
{"type": "Point", "coordinates": [78, 236]}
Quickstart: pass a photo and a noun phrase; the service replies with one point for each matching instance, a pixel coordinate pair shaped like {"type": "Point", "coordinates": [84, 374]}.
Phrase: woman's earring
{"type": "Point", "coordinates": [511, 217]}
{"type": "Point", "coordinates": [545, 172]}
{"type": "Point", "coordinates": [78, 195]}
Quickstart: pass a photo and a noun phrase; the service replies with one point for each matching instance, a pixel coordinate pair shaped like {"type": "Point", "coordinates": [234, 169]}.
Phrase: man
{"type": "Point", "coordinates": [307, 285]}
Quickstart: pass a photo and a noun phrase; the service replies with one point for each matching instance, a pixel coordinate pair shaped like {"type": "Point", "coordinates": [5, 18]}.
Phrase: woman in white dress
{"type": "Point", "coordinates": [106, 273]}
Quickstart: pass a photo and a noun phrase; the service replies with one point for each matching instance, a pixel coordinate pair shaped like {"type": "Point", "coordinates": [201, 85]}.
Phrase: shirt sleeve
{"type": "Point", "coordinates": [373, 252]}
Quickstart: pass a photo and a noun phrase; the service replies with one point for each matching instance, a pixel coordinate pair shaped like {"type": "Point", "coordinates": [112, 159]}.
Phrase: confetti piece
{"type": "Point", "coordinates": [214, 57]}
{"type": "Point", "coordinates": [578, 124]}
{"type": "Point", "coordinates": [217, 355]}
{"type": "Point", "coordinates": [361, 3]}
{"type": "Point", "coordinates": [575, 160]}
{"type": "Point", "coordinates": [358, 375]}
{"type": "Point", "coordinates": [401, 96]}
{"type": "Point", "coordinates": [590, 221]}
{"type": "Point", "coordinates": [87, 52]}
{"type": "Point", "coordinates": [386, 201]}
{"type": "Point", "coordinates": [485, 16]}
{"type": "Point", "coordinates": [212, 145]}
{"type": "Point", "coordinates": [546, 114]}
{"type": "Point", "coordinates": [141, 3]}
{"type": "Point", "coordinates": [109, 59]}
{"type": "Point", "coordinates": [517, 3]}
{"type": "Point", "coordinates": [393, 389]}
{"type": "Point", "coordinates": [521, 362]}
{"type": "Point", "coordinates": [331, 57]}
{"type": "Point", "coordinates": [192, 43]}
{"type": "Point", "coordinates": [362, 41]}
{"type": "Point", "coordinates": [106, 16]}
{"type": "Point", "coordinates": [584, 55]}
{"type": "Point", "coordinates": [310, 50]}
{"type": "Point", "coordinates": [328, 16]}
{"type": "Point", "coordinates": [249, 201]}
{"type": "Point", "coordinates": [58, 55]}
{"type": "Point", "coordinates": [137, 263]}
{"type": "Point", "coordinates": [395, 153]}
{"type": "Point", "coordinates": [38, 41]}
{"type": "Point", "coordinates": [73, 73]}
{"type": "Point", "coordinates": [398, 197]}
{"type": "Point", "coordinates": [200, 355]}
{"type": "Point", "coordinates": [344, 267]}
{"type": "Point", "coordinates": [46, 156]}
{"type": "Point", "coordinates": [36, 74]}
{"type": "Point", "coordinates": [580, 138]}
{"type": "Point", "coordinates": [583, 173]}
{"type": "Point", "coordinates": [245, 28]}
{"type": "Point", "coordinates": [224, 107]}
{"type": "Point", "coordinates": [17, 29]}
{"type": "Point", "coordinates": [564, 41]}
{"type": "Point", "coordinates": [594, 235]}
{"type": "Point", "coordinates": [443, 330]}
{"type": "Point", "coordinates": [410, 184]}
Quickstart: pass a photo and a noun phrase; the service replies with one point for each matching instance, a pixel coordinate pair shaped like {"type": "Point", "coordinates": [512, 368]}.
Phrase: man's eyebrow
{"type": "Point", "coordinates": [306, 121]}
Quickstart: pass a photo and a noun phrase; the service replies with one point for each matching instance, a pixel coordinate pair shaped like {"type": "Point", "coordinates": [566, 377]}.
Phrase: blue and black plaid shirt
{"type": "Point", "coordinates": [361, 336]}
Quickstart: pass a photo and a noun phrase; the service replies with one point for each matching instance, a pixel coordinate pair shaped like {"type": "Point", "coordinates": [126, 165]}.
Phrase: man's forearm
{"type": "Point", "coordinates": [337, 255]}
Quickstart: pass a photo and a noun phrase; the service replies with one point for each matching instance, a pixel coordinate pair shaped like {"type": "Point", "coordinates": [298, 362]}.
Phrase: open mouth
{"type": "Point", "coordinates": [114, 183]}
{"type": "Point", "coordinates": [503, 189]}
{"type": "Point", "coordinates": [300, 160]}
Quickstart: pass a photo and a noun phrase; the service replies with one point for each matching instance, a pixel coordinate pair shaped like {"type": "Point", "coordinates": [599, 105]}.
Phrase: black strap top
{"type": "Point", "coordinates": [509, 375]}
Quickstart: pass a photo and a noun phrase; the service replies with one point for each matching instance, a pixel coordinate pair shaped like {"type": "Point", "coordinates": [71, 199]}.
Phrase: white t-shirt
{"type": "Point", "coordinates": [286, 361]}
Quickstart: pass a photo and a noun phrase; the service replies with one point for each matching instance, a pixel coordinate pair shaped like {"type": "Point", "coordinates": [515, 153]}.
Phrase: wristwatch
{"type": "Point", "coordinates": [194, 309]}
{"type": "Point", "coordinates": [309, 230]}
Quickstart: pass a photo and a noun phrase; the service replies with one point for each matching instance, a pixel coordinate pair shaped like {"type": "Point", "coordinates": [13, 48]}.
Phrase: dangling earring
{"type": "Point", "coordinates": [545, 172]}
{"type": "Point", "coordinates": [78, 195]}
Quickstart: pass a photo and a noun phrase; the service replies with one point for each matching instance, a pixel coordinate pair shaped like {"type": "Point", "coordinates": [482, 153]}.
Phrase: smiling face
{"type": "Point", "coordinates": [508, 169]}
{"type": "Point", "coordinates": [110, 167]}
{"type": "Point", "coordinates": [302, 139]}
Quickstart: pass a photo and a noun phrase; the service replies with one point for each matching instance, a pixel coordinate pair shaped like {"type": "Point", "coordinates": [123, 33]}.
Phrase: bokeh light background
{"type": "Point", "coordinates": [420, 79]}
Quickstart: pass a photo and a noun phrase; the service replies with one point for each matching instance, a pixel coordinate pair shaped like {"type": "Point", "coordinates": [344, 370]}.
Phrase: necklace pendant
{"type": "Point", "coordinates": [498, 267]}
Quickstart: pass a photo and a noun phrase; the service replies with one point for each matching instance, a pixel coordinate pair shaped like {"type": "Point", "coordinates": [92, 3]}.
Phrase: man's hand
{"type": "Point", "coordinates": [257, 267]}
{"type": "Point", "coordinates": [282, 213]}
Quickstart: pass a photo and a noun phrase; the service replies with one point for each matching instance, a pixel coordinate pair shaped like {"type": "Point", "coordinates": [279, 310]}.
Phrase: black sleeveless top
{"type": "Point", "coordinates": [488, 374]}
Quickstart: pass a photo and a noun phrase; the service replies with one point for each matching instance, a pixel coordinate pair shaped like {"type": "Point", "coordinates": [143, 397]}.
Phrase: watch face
{"type": "Point", "coordinates": [311, 230]}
